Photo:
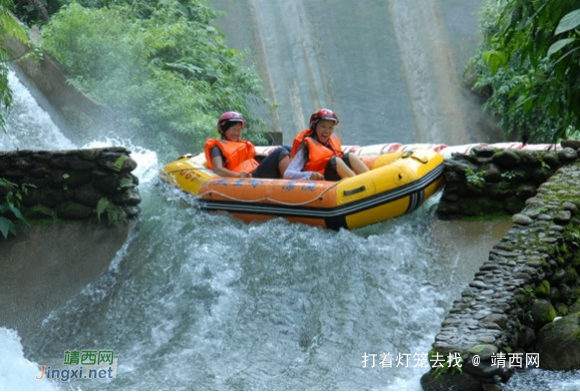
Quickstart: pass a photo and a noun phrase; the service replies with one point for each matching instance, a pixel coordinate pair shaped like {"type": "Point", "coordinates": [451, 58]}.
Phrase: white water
{"type": "Point", "coordinates": [30, 127]}
{"type": "Point", "coordinates": [199, 301]}
{"type": "Point", "coordinates": [298, 317]}
{"type": "Point", "coordinates": [18, 373]}
{"type": "Point", "coordinates": [24, 121]}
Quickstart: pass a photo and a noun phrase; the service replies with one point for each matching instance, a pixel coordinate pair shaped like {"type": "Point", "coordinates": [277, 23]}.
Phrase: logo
{"type": "Point", "coordinates": [83, 364]}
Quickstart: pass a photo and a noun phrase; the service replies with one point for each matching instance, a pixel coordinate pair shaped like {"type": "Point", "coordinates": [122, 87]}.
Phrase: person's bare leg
{"type": "Point", "coordinates": [343, 170]}
{"type": "Point", "coordinates": [358, 166]}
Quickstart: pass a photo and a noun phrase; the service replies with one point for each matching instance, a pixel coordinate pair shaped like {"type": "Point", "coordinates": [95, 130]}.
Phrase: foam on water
{"type": "Point", "coordinates": [17, 372]}
{"type": "Point", "coordinates": [202, 301]}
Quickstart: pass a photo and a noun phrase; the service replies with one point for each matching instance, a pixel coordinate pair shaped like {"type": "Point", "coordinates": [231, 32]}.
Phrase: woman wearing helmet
{"type": "Point", "coordinates": [230, 156]}
{"type": "Point", "coordinates": [317, 152]}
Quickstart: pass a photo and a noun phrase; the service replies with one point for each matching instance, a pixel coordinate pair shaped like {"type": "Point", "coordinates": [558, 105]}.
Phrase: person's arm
{"type": "Point", "coordinates": [294, 169]}
{"type": "Point", "coordinates": [219, 168]}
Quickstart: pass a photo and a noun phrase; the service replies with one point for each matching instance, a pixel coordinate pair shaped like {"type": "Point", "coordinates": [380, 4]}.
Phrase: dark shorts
{"type": "Point", "coordinates": [268, 168]}
{"type": "Point", "coordinates": [330, 174]}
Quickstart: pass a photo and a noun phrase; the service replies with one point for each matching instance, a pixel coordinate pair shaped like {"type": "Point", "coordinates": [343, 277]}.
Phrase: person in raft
{"type": "Point", "coordinates": [317, 153]}
{"type": "Point", "coordinates": [231, 156]}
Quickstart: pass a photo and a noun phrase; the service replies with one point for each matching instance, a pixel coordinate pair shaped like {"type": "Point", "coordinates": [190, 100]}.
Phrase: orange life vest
{"type": "Point", "coordinates": [318, 156]}
{"type": "Point", "coordinates": [239, 155]}
{"type": "Point", "coordinates": [334, 143]}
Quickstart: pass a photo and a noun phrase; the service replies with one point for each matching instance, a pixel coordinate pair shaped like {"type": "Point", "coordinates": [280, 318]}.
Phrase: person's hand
{"type": "Point", "coordinates": [316, 176]}
{"type": "Point", "coordinates": [243, 174]}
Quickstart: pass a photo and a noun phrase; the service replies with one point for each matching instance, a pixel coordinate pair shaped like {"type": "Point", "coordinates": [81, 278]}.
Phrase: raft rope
{"type": "Point", "coordinates": [319, 196]}
{"type": "Point", "coordinates": [186, 169]}
{"type": "Point", "coordinates": [232, 198]}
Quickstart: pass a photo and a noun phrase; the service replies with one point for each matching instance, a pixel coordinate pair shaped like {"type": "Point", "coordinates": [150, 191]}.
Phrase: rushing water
{"type": "Point", "coordinates": [199, 301]}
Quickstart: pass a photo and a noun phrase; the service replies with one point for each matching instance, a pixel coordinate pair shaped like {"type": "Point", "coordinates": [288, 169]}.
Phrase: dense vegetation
{"type": "Point", "coordinates": [159, 64]}
{"type": "Point", "coordinates": [529, 65]}
{"type": "Point", "coordinates": [36, 11]}
{"type": "Point", "coordinates": [9, 28]}
{"type": "Point", "coordinates": [10, 194]}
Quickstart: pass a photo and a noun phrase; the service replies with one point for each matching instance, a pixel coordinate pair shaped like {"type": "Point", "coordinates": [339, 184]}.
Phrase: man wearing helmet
{"type": "Point", "coordinates": [317, 152]}
{"type": "Point", "coordinates": [230, 156]}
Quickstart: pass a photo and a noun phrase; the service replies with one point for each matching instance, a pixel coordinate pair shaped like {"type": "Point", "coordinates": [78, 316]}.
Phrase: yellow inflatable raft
{"type": "Point", "coordinates": [397, 183]}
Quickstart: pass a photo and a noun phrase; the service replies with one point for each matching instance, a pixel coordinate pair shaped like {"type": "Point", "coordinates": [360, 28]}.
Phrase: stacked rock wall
{"type": "Point", "coordinates": [492, 181]}
{"type": "Point", "coordinates": [75, 184]}
{"type": "Point", "coordinates": [530, 278]}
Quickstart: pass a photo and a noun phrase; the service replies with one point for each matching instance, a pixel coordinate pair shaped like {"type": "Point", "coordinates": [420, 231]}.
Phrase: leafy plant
{"type": "Point", "coordinates": [545, 165]}
{"type": "Point", "coordinates": [10, 28]}
{"type": "Point", "coordinates": [452, 364]}
{"type": "Point", "coordinates": [10, 207]}
{"type": "Point", "coordinates": [529, 63]}
{"type": "Point", "coordinates": [159, 65]}
{"type": "Point", "coordinates": [115, 214]}
{"type": "Point", "coordinates": [474, 178]}
{"type": "Point", "coordinates": [447, 369]}
{"type": "Point", "coordinates": [118, 165]}
{"type": "Point", "coordinates": [572, 234]}
{"type": "Point", "coordinates": [509, 175]}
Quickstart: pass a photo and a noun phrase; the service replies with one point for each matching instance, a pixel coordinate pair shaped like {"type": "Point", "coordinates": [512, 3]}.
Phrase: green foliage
{"type": "Point", "coordinates": [545, 165]}
{"type": "Point", "coordinates": [160, 65]}
{"type": "Point", "coordinates": [530, 62]}
{"type": "Point", "coordinates": [115, 214]}
{"type": "Point", "coordinates": [37, 11]}
{"type": "Point", "coordinates": [447, 369]}
{"type": "Point", "coordinates": [9, 28]}
{"type": "Point", "coordinates": [572, 235]}
{"type": "Point", "coordinates": [474, 178]}
{"type": "Point", "coordinates": [509, 175]}
{"type": "Point", "coordinates": [118, 165]}
{"type": "Point", "coordinates": [10, 207]}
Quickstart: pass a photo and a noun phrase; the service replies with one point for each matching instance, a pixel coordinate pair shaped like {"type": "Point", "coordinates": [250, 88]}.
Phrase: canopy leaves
{"type": "Point", "coordinates": [9, 29]}
{"type": "Point", "coordinates": [163, 69]}
{"type": "Point", "coordinates": [529, 60]}
{"type": "Point", "coordinates": [568, 22]}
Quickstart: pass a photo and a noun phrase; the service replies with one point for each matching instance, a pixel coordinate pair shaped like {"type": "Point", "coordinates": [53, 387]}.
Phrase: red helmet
{"type": "Point", "coordinates": [227, 117]}
{"type": "Point", "coordinates": [323, 114]}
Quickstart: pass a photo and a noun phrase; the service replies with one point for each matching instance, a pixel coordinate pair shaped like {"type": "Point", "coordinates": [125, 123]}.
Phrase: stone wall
{"type": "Point", "coordinates": [75, 184]}
{"type": "Point", "coordinates": [492, 181]}
{"type": "Point", "coordinates": [530, 278]}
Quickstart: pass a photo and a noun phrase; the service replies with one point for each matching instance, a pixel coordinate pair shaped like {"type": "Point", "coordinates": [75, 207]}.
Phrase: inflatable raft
{"type": "Point", "coordinates": [398, 183]}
